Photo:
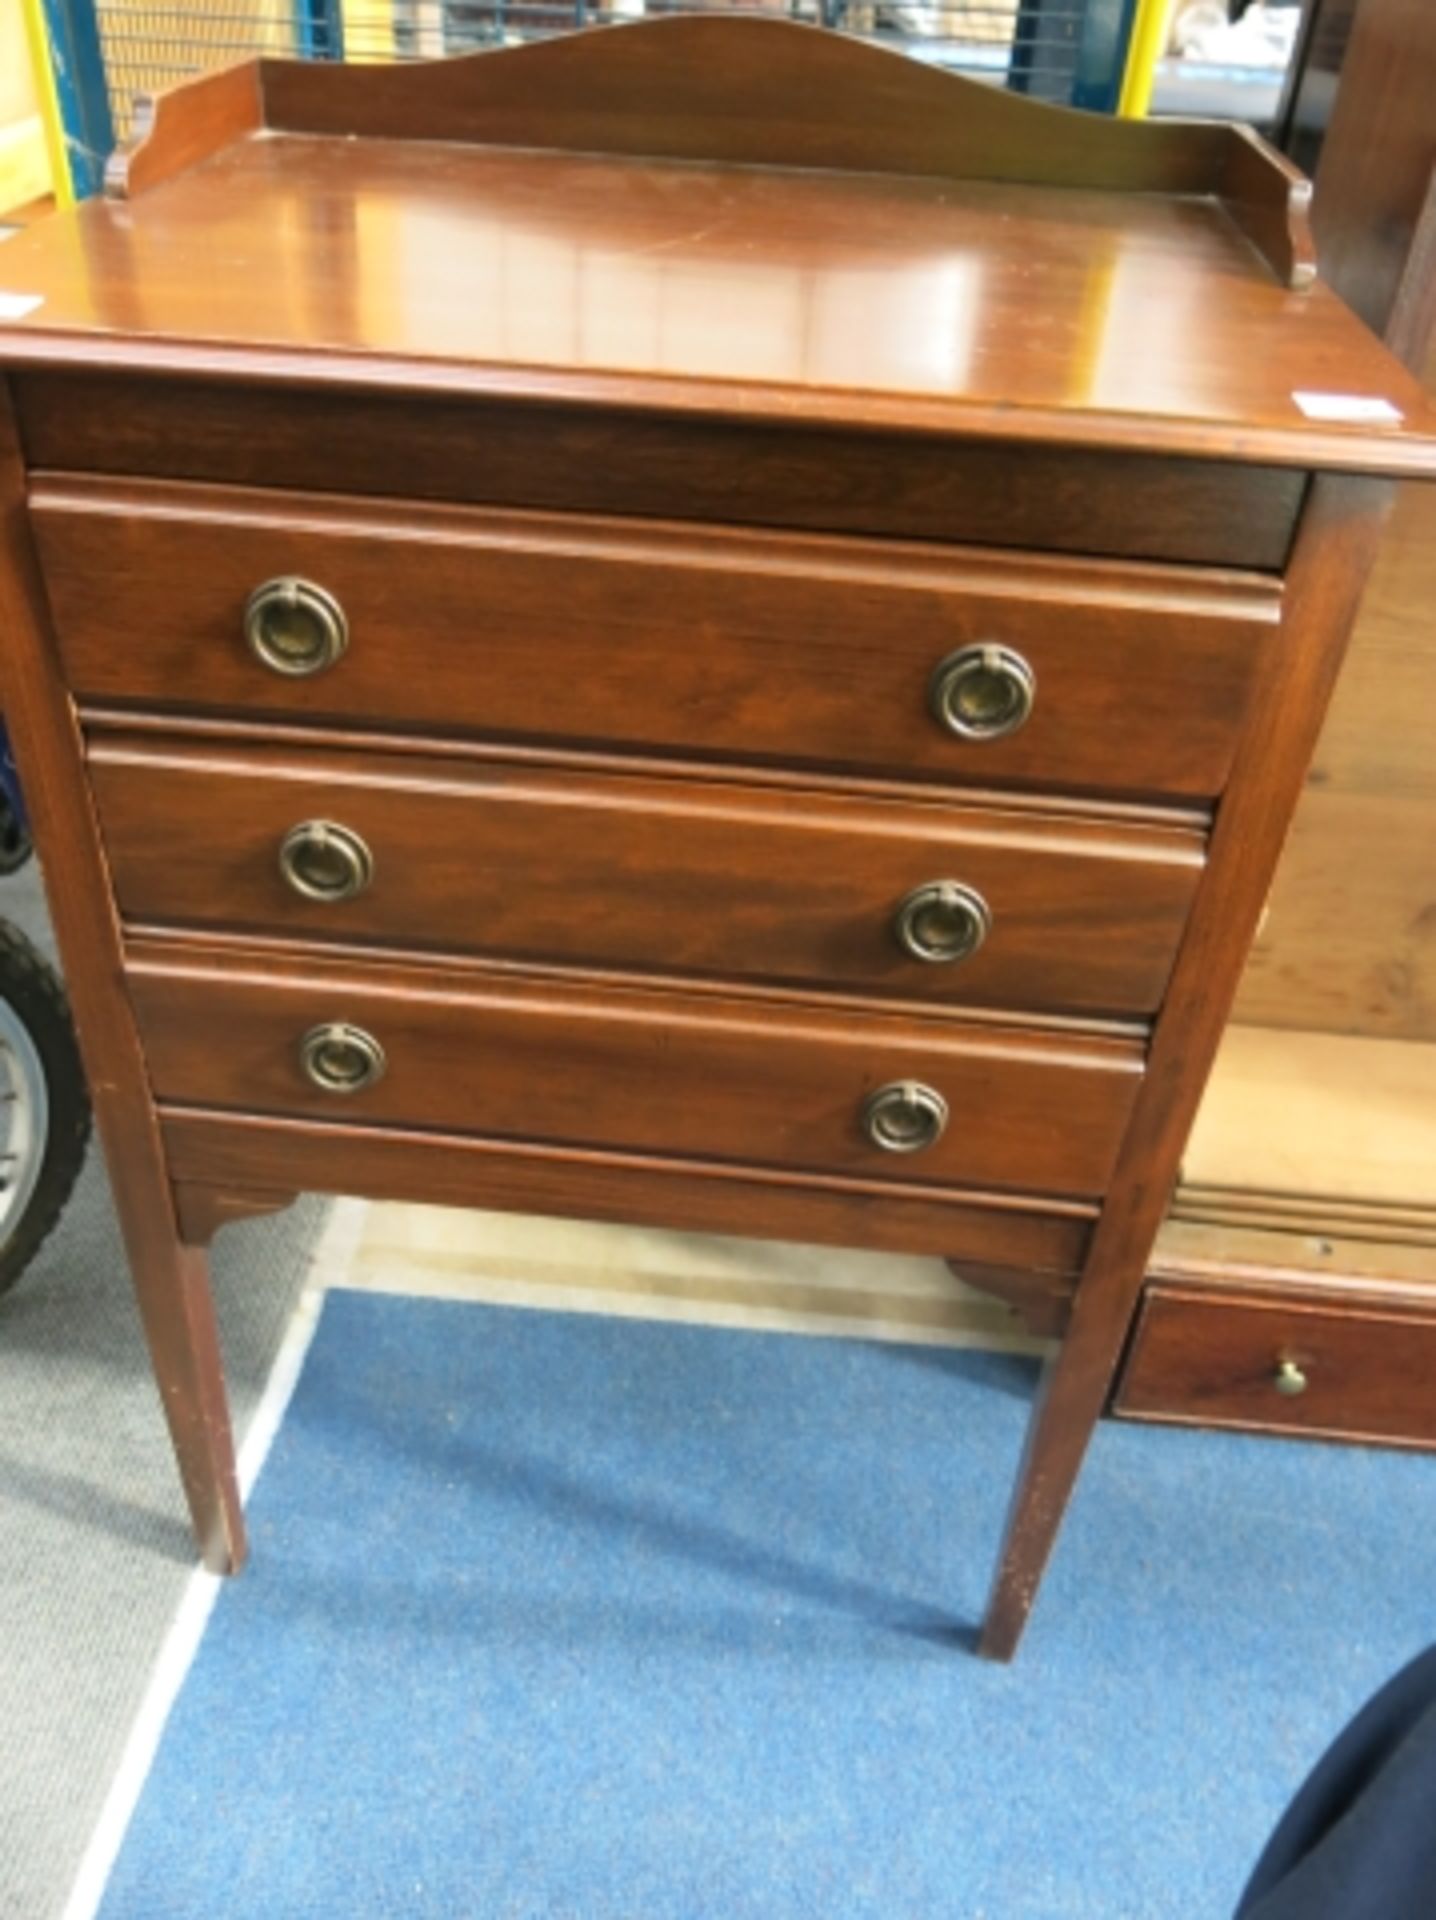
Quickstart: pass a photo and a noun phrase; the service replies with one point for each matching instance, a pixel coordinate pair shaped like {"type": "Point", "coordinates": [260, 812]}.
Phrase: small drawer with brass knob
{"type": "Point", "coordinates": [1209, 1350]}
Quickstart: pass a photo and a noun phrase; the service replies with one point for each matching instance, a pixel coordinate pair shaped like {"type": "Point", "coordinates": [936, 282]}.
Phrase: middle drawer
{"type": "Point", "coordinates": [988, 905]}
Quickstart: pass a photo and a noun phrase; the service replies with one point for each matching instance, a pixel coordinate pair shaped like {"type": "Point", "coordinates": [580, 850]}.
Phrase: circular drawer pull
{"type": "Point", "coordinates": [294, 627]}
{"type": "Point", "coordinates": [339, 1058]}
{"type": "Point", "coordinates": [905, 1117]}
{"type": "Point", "coordinates": [983, 692]}
{"type": "Point", "coordinates": [942, 921]}
{"type": "Point", "coordinates": [325, 861]}
{"type": "Point", "coordinates": [1289, 1378]}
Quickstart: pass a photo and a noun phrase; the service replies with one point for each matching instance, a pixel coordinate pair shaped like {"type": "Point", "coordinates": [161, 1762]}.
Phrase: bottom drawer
{"type": "Point", "coordinates": [876, 1098]}
{"type": "Point", "coordinates": [1283, 1364]}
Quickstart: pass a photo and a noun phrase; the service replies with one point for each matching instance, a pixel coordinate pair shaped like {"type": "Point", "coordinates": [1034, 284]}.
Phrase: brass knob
{"type": "Point", "coordinates": [983, 692]}
{"type": "Point", "coordinates": [325, 861]}
{"type": "Point", "coordinates": [905, 1117]}
{"type": "Point", "coordinates": [942, 921]}
{"type": "Point", "coordinates": [294, 627]}
{"type": "Point", "coordinates": [1289, 1378]}
{"type": "Point", "coordinates": [339, 1058]}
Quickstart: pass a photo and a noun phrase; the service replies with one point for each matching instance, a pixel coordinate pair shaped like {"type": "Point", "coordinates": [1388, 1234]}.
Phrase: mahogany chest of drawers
{"type": "Point", "coordinates": [586, 640]}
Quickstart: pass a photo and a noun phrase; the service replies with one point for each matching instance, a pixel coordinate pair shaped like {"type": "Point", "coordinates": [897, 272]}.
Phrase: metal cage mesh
{"type": "Point", "coordinates": [149, 45]}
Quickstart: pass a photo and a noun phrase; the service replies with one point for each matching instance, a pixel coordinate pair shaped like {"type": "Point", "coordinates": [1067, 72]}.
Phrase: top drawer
{"type": "Point", "coordinates": [736, 645]}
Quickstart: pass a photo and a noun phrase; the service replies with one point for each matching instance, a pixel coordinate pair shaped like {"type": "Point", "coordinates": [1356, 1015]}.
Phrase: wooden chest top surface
{"type": "Point", "coordinates": [1109, 315]}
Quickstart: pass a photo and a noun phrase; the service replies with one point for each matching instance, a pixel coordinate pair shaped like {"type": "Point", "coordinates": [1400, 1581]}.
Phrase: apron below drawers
{"type": "Point", "coordinates": [692, 1077]}
{"type": "Point", "coordinates": [254, 1155]}
{"type": "Point", "coordinates": [993, 906]}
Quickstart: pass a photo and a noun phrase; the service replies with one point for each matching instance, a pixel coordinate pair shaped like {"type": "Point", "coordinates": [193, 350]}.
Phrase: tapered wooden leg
{"type": "Point", "coordinates": [171, 1277]}
{"type": "Point", "coordinates": [177, 1310]}
{"type": "Point", "coordinates": [1340, 527]}
{"type": "Point", "coordinates": [1069, 1404]}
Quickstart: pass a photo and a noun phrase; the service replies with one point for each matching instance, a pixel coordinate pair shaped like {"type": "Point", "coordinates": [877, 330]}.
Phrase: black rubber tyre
{"type": "Point", "coordinates": [32, 989]}
{"type": "Point", "coordinates": [15, 848]}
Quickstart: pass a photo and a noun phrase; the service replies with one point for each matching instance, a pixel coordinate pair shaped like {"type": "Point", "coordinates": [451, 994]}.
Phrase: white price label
{"type": "Point", "coordinates": [1350, 409]}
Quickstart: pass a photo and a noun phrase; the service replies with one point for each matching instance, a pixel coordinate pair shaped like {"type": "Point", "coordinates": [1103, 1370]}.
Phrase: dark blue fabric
{"type": "Point", "coordinates": [556, 1617]}
{"type": "Point", "coordinates": [1359, 1840]}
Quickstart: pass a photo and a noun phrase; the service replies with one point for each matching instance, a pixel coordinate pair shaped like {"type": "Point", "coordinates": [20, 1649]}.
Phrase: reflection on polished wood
{"type": "Point", "coordinates": [904, 289]}
{"type": "Point", "coordinates": [565, 260]}
{"type": "Point", "coordinates": [1111, 317]}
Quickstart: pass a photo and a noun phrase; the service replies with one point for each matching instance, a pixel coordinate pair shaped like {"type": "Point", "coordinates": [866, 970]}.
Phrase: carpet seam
{"type": "Point", "coordinates": [333, 1255]}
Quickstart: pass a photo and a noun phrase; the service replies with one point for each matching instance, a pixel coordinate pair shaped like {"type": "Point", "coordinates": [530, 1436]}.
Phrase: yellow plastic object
{"type": "Point", "coordinates": [49, 102]}
{"type": "Point", "coordinates": [1144, 50]}
{"type": "Point", "coordinates": [24, 164]}
{"type": "Point", "coordinates": [368, 29]}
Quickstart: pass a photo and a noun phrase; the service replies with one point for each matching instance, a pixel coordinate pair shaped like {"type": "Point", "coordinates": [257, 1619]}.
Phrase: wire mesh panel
{"type": "Point", "coordinates": [1064, 50]}
{"type": "Point", "coordinates": [149, 45]}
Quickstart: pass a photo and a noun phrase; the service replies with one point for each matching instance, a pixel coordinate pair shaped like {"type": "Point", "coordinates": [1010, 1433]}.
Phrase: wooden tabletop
{"type": "Point", "coordinates": [1085, 317]}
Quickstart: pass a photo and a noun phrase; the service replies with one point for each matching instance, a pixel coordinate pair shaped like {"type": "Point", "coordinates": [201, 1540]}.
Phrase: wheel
{"type": "Point", "coordinates": [44, 1106]}
{"type": "Point", "coordinates": [14, 838]}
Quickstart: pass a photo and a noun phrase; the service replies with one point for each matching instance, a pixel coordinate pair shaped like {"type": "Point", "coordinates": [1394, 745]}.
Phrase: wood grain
{"type": "Point", "coordinates": [1340, 533]}
{"type": "Point", "coordinates": [1349, 945]}
{"type": "Point", "coordinates": [1271, 202]}
{"type": "Point", "coordinates": [664, 467]}
{"type": "Point", "coordinates": [1376, 161]}
{"type": "Point", "coordinates": [171, 1280]}
{"type": "Point", "coordinates": [239, 1151]}
{"type": "Point", "coordinates": [1411, 326]}
{"type": "Point", "coordinates": [1379, 1224]}
{"type": "Point", "coordinates": [661, 877]}
{"type": "Point", "coordinates": [877, 301]}
{"type": "Point", "coordinates": [713, 338]}
{"type": "Point", "coordinates": [734, 89]}
{"type": "Point", "coordinates": [203, 1210]}
{"type": "Point", "coordinates": [1318, 1116]}
{"type": "Point", "coordinates": [692, 89]}
{"type": "Point", "coordinates": [1042, 1301]}
{"type": "Point", "coordinates": [234, 731]}
{"type": "Point", "coordinates": [1207, 1359]}
{"type": "Point", "coordinates": [177, 130]}
{"type": "Point", "coordinates": [644, 1072]}
{"type": "Point", "coordinates": [752, 647]}
{"type": "Point", "coordinates": [1208, 1253]}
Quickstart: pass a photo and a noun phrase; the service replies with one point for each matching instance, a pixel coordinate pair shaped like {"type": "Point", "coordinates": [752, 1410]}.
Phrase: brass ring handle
{"type": "Point", "coordinates": [905, 1117]}
{"type": "Point", "coordinates": [942, 922]}
{"type": "Point", "coordinates": [338, 1058]}
{"type": "Point", "coordinates": [294, 627]}
{"type": "Point", "coordinates": [1289, 1378]}
{"type": "Point", "coordinates": [982, 692]}
{"type": "Point", "coordinates": [325, 861]}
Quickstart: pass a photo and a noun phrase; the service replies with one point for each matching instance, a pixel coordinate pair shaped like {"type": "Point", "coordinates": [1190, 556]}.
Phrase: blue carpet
{"type": "Point", "coordinates": [564, 1618]}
